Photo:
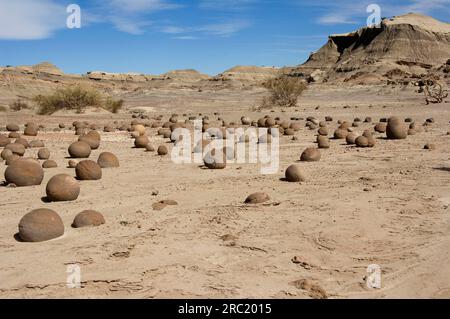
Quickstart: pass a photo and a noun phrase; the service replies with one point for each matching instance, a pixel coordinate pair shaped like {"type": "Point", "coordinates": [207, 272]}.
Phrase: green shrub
{"type": "Point", "coordinates": [284, 91]}
{"type": "Point", "coordinates": [76, 98]}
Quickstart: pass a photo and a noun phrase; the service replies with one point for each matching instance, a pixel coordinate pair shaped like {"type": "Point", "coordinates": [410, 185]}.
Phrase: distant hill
{"type": "Point", "coordinates": [410, 43]}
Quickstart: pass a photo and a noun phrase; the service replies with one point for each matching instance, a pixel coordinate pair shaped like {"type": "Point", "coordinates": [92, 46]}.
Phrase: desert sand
{"type": "Point", "coordinates": [386, 205]}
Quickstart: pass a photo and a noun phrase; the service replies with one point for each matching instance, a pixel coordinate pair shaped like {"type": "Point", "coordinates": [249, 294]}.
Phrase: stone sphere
{"type": "Point", "coordinates": [94, 135]}
{"type": "Point", "coordinates": [396, 129]}
{"type": "Point", "coordinates": [108, 160]}
{"type": "Point", "coordinates": [139, 128]}
{"type": "Point", "coordinates": [141, 141]}
{"type": "Point", "coordinates": [36, 144]}
{"type": "Point", "coordinates": [91, 141]}
{"type": "Point", "coordinates": [215, 159]}
{"type": "Point", "coordinates": [257, 198]}
{"type": "Point", "coordinates": [40, 225]}
{"type": "Point", "coordinates": [340, 133]}
{"type": "Point", "coordinates": [294, 174]}
{"type": "Point", "coordinates": [4, 140]}
{"type": "Point", "coordinates": [310, 155]}
{"type": "Point", "coordinates": [24, 172]}
{"type": "Point", "coordinates": [88, 218]}
{"type": "Point", "coordinates": [162, 150]}
{"type": "Point", "coordinates": [362, 141]}
{"type": "Point", "coordinates": [14, 135]}
{"type": "Point", "coordinates": [79, 150]}
{"type": "Point", "coordinates": [31, 130]}
{"type": "Point", "coordinates": [10, 159]}
{"type": "Point", "coordinates": [43, 154]}
{"type": "Point", "coordinates": [88, 170]}
{"type": "Point", "coordinates": [16, 148]}
{"type": "Point", "coordinates": [323, 131]}
{"type": "Point", "coordinates": [323, 141]}
{"type": "Point", "coordinates": [270, 122]}
{"type": "Point", "coordinates": [246, 120]}
{"type": "Point", "coordinates": [11, 127]}
{"type": "Point", "coordinates": [72, 164]}
{"type": "Point", "coordinates": [351, 138]}
{"type": "Point", "coordinates": [6, 153]}
{"type": "Point", "coordinates": [49, 164]}
{"type": "Point", "coordinates": [62, 187]}
{"type": "Point", "coordinates": [22, 141]}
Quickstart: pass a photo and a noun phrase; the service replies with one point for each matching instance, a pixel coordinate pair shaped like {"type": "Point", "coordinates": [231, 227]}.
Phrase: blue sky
{"type": "Point", "coordinates": [155, 36]}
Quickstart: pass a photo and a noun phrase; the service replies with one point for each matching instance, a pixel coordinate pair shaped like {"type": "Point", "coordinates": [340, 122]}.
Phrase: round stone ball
{"type": "Point", "coordinates": [49, 164]}
{"type": "Point", "coordinates": [108, 160]}
{"type": "Point", "coordinates": [310, 155]}
{"type": "Point", "coordinates": [79, 150]}
{"type": "Point", "coordinates": [323, 141]}
{"type": "Point", "coordinates": [62, 187]}
{"type": "Point", "coordinates": [24, 172]}
{"type": "Point", "coordinates": [88, 170]}
{"type": "Point", "coordinates": [294, 174]}
{"type": "Point", "coordinates": [141, 141]}
{"type": "Point", "coordinates": [43, 154]}
{"type": "Point", "coordinates": [16, 148]}
{"type": "Point", "coordinates": [88, 218]}
{"type": "Point", "coordinates": [257, 198]}
{"type": "Point", "coordinates": [40, 225]}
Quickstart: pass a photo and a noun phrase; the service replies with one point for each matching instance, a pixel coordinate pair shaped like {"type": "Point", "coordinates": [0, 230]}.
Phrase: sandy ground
{"type": "Point", "coordinates": [387, 205]}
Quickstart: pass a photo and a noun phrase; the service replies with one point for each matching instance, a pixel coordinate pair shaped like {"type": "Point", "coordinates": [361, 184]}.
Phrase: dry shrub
{"type": "Point", "coordinates": [18, 105]}
{"type": "Point", "coordinates": [284, 91]}
{"type": "Point", "coordinates": [114, 106]}
{"type": "Point", "coordinates": [76, 98]}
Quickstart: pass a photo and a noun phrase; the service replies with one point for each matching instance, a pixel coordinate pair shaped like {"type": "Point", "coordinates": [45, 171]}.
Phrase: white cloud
{"type": "Point", "coordinates": [187, 37]}
{"type": "Point", "coordinates": [221, 29]}
{"type": "Point", "coordinates": [130, 26]}
{"type": "Point", "coordinates": [336, 19]}
{"type": "Point", "coordinates": [227, 5]}
{"type": "Point", "coordinates": [30, 19]}
{"type": "Point", "coordinates": [132, 16]}
{"type": "Point", "coordinates": [137, 6]}
{"type": "Point", "coordinates": [354, 11]}
{"type": "Point", "coordinates": [224, 29]}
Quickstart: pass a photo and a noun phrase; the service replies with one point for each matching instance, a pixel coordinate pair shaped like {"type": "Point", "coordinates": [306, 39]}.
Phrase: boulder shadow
{"type": "Point", "coordinates": [17, 238]}
{"type": "Point", "coordinates": [45, 199]}
{"type": "Point", "coordinates": [442, 168]}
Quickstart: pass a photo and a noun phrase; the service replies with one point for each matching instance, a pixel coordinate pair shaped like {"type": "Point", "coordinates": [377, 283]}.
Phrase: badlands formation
{"type": "Point", "coordinates": [363, 179]}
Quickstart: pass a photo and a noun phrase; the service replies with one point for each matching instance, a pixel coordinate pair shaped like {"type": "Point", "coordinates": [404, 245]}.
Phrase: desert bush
{"type": "Point", "coordinates": [18, 105]}
{"type": "Point", "coordinates": [284, 91]}
{"type": "Point", "coordinates": [114, 106]}
{"type": "Point", "coordinates": [75, 98]}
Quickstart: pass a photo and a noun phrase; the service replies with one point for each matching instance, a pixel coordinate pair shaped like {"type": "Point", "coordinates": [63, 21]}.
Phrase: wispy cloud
{"type": "Point", "coordinates": [132, 16]}
{"type": "Point", "coordinates": [227, 5]}
{"type": "Point", "coordinates": [220, 29]}
{"type": "Point", "coordinates": [40, 19]}
{"type": "Point", "coordinates": [186, 37]}
{"type": "Point", "coordinates": [224, 29]}
{"type": "Point", "coordinates": [354, 11]}
{"type": "Point", "coordinates": [142, 6]}
{"type": "Point", "coordinates": [30, 19]}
